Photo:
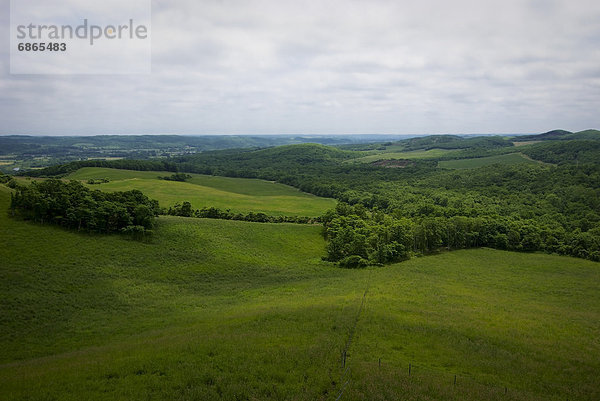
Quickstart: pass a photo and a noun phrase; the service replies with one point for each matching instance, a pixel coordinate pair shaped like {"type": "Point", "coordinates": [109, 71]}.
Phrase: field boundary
{"type": "Point", "coordinates": [344, 367]}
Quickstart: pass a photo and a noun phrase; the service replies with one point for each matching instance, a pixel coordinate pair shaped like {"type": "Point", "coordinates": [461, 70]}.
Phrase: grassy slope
{"type": "Point", "coordinates": [415, 154]}
{"type": "Point", "coordinates": [223, 310]}
{"type": "Point", "coordinates": [237, 194]}
{"type": "Point", "coordinates": [511, 158]}
{"type": "Point", "coordinates": [181, 316]}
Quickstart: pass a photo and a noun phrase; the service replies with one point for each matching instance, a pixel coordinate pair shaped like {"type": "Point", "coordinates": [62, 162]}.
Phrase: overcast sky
{"type": "Point", "coordinates": [332, 67]}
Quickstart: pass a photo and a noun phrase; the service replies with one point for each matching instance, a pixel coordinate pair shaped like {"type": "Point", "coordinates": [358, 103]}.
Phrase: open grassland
{"type": "Point", "coordinates": [238, 194]}
{"type": "Point", "coordinates": [525, 143]}
{"type": "Point", "coordinates": [510, 158]}
{"type": "Point", "coordinates": [212, 309]}
{"type": "Point", "coordinates": [414, 154]}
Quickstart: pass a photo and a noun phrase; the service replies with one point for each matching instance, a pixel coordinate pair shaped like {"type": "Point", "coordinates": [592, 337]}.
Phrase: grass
{"type": "Point", "coordinates": [414, 154]}
{"type": "Point", "coordinates": [238, 194]}
{"type": "Point", "coordinates": [510, 158]}
{"type": "Point", "coordinates": [212, 309]}
{"type": "Point", "coordinates": [525, 143]}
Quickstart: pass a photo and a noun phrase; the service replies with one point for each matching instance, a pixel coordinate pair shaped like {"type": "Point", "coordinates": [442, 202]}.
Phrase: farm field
{"type": "Point", "coordinates": [212, 309]}
{"type": "Point", "coordinates": [237, 194]}
{"type": "Point", "coordinates": [508, 159]}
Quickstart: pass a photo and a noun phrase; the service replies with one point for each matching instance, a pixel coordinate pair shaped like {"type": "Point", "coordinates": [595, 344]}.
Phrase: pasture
{"type": "Point", "coordinates": [238, 194]}
{"type": "Point", "coordinates": [211, 309]}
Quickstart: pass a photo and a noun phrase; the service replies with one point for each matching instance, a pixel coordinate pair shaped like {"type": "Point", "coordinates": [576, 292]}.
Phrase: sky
{"type": "Point", "coordinates": [330, 67]}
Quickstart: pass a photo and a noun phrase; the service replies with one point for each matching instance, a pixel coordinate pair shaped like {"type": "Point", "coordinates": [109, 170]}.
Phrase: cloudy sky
{"type": "Point", "coordinates": [331, 67]}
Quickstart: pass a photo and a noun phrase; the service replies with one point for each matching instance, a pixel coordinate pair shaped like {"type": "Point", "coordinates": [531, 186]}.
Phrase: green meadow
{"type": "Point", "coordinates": [237, 194]}
{"type": "Point", "coordinates": [413, 154]}
{"type": "Point", "coordinates": [230, 310]}
{"type": "Point", "coordinates": [510, 158]}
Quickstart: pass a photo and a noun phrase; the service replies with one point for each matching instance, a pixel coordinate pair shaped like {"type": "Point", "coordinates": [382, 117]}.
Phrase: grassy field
{"type": "Point", "coordinates": [510, 158]}
{"type": "Point", "coordinates": [237, 194]}
{"type": "Point", "coordinates": [212, 309]}
{"type": "Point", "coordinates": [414, 154]}
{"type": "Point", "coordinates": [525, 143]}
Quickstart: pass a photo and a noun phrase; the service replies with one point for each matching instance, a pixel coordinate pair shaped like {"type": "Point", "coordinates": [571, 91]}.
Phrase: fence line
{"type": "Point", "coordinates": [349, 343]}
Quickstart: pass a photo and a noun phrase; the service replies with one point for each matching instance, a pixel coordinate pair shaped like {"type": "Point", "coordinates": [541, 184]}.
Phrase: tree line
{"type": "Point", "coordinates": [62, 170]}
{"type": "Point", "coordinates": [185, 209]}
{"type": "Point", "coordinates": [357, 237]}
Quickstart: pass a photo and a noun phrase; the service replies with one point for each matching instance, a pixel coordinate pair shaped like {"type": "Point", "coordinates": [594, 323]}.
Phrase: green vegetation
{"type": "Point", "coordinates": [409, 155]}
{"type": "Point", "coordinates": [565, 152]}
{"type": "Point", "coordinates": [185, 209]}
{"type": "Point", "coordinates": [556, 207]}
{"type": "Point", "coordinates": [510, 158]}
{"type": "Point", "coordinates": [455, 142]}
{"type": "Point", "coordinates": [213, 309]}
{"type": "Point", "coordinates": [559, 202]}
{"type": "Point", "coordinates": [181, 177]}
{"type": "Point", "coordinates": [562, 135]}
{"type": "Point", "coordinates": [93, 181]}
{"type": "Point", "coordinates": [590, 134]}
{"type": "Point", "coordinates": [357, 238]}
{"type": "Point", "coordinates": [74, 206]}
{"type": "Point", "coordinates": [30, 152]}
{"type": "Point", "coordinates": [491, 318]}
{"type": "Point", "coordinates": [226, 309]}
{"type": "Point", "coordinates": [238, 195]}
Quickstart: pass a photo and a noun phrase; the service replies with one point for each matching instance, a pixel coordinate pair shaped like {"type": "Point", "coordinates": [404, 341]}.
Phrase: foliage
{"type": "Point", "coordinates": [185, 209]}
{"type": "Point", "coordinates": [5, 179]}
{"type": "Point", "coordinates": [181, 177]}
{"type": "Point", "coordinates": [93, 181]}
{"type": "Point", "coordinates": [237, 194]}
{"type": "Point", "coordinates": [223, 310]}
{"type": "Point", "coordinates": [474, 162]}
{"type": "Point", "coordinates": [33, 152]}
{"type": "Point", "coordinates": [73, 205]}
{"type": "Point", "coordinates": [378, 238]}
{"type": "Point", "coordinates": [562, 135]}
{"type": "Point", "coordinates": [455, 142]}
{"type": "Point", "coordinates": [563, 152]}
{"type": "Point", "coordinates": [139, 165]}
{"type": "Point", "coordinates": [561, 199]}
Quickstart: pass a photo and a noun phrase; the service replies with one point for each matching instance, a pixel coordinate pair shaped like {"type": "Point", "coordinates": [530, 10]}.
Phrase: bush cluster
{"type": "Point", "coordinates": [72, 205]}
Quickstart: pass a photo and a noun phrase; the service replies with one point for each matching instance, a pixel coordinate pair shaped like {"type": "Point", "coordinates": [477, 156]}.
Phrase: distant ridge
{"type": "Point", "coordinates": [554, 134]}
{"type": "Point", "coordinates": [587, 134]}
{"type": "Point", "coordinates": [560, 135]}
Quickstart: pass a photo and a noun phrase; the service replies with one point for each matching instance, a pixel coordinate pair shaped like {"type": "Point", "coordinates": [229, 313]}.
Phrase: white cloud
{"type": "Point", "coordinates": [335, 67]}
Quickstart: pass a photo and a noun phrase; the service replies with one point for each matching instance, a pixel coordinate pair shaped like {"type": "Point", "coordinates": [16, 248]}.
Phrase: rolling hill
{"type": "Point", "coordinates": [212, 309]}
{"type": "Point", "coordinates": [237, 194]}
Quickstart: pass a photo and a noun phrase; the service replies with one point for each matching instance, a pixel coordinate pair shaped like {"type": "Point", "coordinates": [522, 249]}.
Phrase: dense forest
{"type": "Point", "coordinates": [387, 214]}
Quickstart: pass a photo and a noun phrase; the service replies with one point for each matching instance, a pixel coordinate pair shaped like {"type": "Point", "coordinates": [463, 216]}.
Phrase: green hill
{"type": "Point", "coordinates": [303, 155]}
{"type": "Point", "coordinates": [449, 142]}
{"type": "Point", "coordinates": [587, 134]}
{"type": "Point", "coordinates": [237, 194]}
{"type": "Point", "coordinates": [565, 152]}
{"type": "Point", "coordinates": [560, 135]}
{"type": "Point", "coordinates": [212, 309]}
{"type": "Point", "coordinates": [550, 135]}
